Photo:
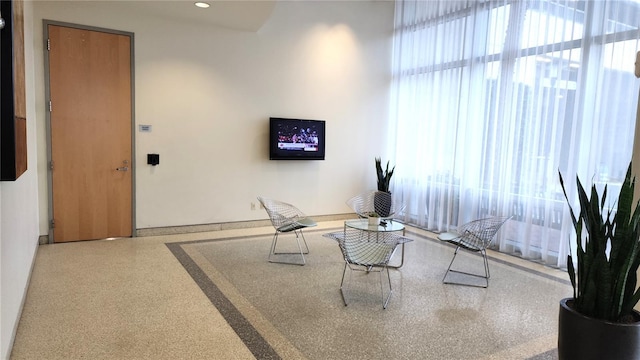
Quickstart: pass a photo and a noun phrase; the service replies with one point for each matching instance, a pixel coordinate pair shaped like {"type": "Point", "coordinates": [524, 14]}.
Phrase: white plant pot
{"type": "Point", "coordinates": [374, 221]}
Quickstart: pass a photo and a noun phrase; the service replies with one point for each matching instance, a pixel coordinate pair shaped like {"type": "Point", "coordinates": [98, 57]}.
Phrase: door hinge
{"type": "Point", "coordinates": [48, 44]}
{"type": "Point", "coordinates": [50, 106]}
{"type": "Point", "coordinates": [51, 165]}
{"type": "Point", "coordinates": [53, 224]}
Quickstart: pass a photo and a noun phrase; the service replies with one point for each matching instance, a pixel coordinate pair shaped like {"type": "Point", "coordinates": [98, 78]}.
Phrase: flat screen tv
{"type": "Point", "coordinates": [296, 139]}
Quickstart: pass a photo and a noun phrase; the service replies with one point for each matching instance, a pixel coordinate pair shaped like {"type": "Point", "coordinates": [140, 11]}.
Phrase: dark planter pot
{"type": "Point", "coordinates": [382, 203]}
{"type": "Point", "coordinates": [585, 338]}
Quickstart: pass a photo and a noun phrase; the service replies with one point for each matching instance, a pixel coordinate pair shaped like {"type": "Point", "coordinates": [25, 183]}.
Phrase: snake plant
{"type": "Point", "coordinates": [384, 177]}
{"type": "Point", "coordinates": [608, 253]}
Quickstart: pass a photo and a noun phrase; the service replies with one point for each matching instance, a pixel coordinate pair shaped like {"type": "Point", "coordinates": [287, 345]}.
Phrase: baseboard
{"type": "Point", "coordinates": [43, 239]}
{"type": "Point", "coordinates": [186, 229]}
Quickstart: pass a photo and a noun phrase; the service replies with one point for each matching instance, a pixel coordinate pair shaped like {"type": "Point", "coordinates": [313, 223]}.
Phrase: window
{"type": "Point", "coordinates": [492, 98]}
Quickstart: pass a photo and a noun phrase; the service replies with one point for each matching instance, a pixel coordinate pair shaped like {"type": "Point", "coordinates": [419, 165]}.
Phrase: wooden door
{"type": "Point", "coordinates": [91, 121]}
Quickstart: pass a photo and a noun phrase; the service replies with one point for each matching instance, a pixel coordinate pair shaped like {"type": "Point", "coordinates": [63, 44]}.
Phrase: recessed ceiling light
{"type": "Point", "coordinates": [203, 5]}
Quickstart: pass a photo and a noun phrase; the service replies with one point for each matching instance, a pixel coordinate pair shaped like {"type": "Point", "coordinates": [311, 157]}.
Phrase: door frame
{"type": "Point", "coordinates": [47, 94]}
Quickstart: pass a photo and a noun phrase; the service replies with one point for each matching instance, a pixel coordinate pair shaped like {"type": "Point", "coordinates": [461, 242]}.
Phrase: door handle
{"type": "Point", "coordinates": [125, 167]}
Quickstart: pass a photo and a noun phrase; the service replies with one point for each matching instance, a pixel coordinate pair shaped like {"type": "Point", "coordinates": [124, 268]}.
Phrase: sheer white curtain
{"type": "Point", "coordinates": [492, 98]}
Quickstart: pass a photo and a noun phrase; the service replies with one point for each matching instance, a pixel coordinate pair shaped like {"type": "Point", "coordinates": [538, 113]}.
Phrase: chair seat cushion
{"type": "Point", "coordinates": [448, 236]}
{"type": "Point", "coordinates": [298, 224]}
{"type": "Point", "coordinates": [456, 239]}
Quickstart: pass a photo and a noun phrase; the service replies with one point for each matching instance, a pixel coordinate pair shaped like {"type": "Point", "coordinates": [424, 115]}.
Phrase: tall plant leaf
{"type": "Point", "coordinates": [604, 276]}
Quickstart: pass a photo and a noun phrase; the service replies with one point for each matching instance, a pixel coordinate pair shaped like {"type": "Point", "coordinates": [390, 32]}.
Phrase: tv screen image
{"type": "Point", "coordinates": [296, 139]}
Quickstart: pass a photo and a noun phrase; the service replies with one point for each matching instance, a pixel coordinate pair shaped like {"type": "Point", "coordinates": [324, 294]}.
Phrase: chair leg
{"type": "Point", "coordinates": [343, 290]}
{"type": "Point", "coordinates": [274, 242]}
{"type": "Point", "coordinates": [486, 265]}
{"type": "Point", "coordinates": [273, 252]}
{"type": "Point", "coordinates": [485, 276]}
{"type": "Point", "coordinates": [300, 247]}
{"type": "Point", "coordinates": [385, 301]}
{"type": "Point", "coordinates": [344, 271]}
{"type": "Point", "coordinates": [304, 241]}
{"type": "Point", "coordinates": [455, 253]}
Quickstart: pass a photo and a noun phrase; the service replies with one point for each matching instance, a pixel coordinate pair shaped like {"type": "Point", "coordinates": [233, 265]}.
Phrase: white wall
{"type": "Point", "coordinates": [208, 92]}
{"type": "Point", "coordinates": [19, 216]}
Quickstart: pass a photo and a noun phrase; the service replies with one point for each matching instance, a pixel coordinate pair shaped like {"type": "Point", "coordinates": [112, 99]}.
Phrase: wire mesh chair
{"type": "Point", "coordinates": [474, 236]}
{"type": "Point", "coordinates": [286, 218]}
{"type": "Point", "coordinates": [378, 202]}
{"type": "Point", "coordinates": [363, 254]}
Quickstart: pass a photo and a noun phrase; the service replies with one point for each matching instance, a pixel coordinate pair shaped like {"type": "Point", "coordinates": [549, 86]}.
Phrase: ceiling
{"type": "Point", "coordinates": [244, 15]}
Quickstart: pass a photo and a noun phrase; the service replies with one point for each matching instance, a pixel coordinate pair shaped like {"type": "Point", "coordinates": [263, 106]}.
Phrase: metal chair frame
{"type": "Point", "coordinates": [286, 218]}
{"type": "Point", "coordinates": [474, 236]}
{"type": "Point", "coordinates": [365, 204]}
{"type": "Point", "coordinates": [368, 269]}
{"type": "Point", "coordinates": [366, 256]}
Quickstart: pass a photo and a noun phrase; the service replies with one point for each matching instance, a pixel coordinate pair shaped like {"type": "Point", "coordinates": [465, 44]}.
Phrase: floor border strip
{"type": "Point", "coordinates": [252, 339]}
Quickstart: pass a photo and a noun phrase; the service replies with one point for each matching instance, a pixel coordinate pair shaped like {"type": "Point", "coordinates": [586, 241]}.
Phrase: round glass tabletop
{"type": "Point", "coordinates": [363, 224]}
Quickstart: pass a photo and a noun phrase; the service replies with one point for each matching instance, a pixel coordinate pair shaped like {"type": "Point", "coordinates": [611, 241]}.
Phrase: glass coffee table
{"type": "Point", "coordinates": [380, 231]}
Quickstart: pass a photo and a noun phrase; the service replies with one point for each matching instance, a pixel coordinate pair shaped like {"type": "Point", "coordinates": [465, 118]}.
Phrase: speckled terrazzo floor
{"type": "Point", "coordinates": [214, 296]}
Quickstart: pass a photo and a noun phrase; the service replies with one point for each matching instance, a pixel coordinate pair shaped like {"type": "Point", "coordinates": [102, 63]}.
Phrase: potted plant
{"type": "Point", "coordinates": [382, 199]}
{"type": "Point", "coordinates": [599, 321]}
{"type": "Point", "coordinates": [374, 218]}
